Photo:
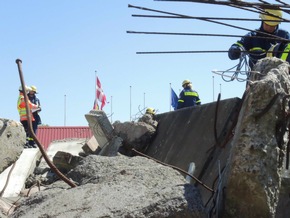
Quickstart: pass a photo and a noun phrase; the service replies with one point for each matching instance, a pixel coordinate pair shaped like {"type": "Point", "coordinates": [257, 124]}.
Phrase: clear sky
{"type": "Point", "coordinates": [64, 44]}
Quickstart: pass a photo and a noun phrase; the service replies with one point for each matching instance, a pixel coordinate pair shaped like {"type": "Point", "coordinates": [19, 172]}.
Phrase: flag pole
{"type": "Point", "coordinates": [169, 96]}
{"type": "Point", "coordinates": [144, 101]}
{"type": "Point", "coordinates": [96, 86]}
{"type": "Point", "coordinates": [111, 109]}
{"type": "Point", "coordinates": [212, 88]}
{"type": "Point", "coordinates": [64, 121]}
{"type": "Point", "coordinates": [130, 103]}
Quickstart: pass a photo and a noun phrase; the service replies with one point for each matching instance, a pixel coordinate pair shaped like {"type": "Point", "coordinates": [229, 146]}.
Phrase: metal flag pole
{"type": "Point", "coordinates": [130, 103]}
{"type": "Point", "coordinates": [96, 101]}
{"type": "Point", "coordinates": [144, 101]}
{"type": "Point", "coordinates": [111, 109]}
{"type": "Point", "coordinates": [170, 96]}
{"type": "Point", "coordinates": [64, 121]}
{"type": "Point", "coordinates": [212, 88]}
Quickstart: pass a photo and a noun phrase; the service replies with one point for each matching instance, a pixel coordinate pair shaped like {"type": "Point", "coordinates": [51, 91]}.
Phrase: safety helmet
{"type": "Point", "coordinates": [185, 82]}
{"type": "Point", "coordinates": [150, 111]}
{"type": "Point", "coordinates": [27, 88]}
{"type": "Point", "coordinates": [271, 20]}
{"type": "Point", "coordinates": [34, 89]}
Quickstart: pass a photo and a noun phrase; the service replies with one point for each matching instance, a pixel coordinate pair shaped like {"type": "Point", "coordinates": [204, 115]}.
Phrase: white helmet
{"type": "Point", "coordinates": [33, 88]}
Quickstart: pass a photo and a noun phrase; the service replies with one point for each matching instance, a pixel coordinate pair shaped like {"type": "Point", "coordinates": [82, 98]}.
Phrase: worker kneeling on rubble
{"type": "Point", "coordinates": [149, 117]}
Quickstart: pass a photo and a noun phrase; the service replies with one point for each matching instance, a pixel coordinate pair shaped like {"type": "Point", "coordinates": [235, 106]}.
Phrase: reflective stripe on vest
{"type": "Point", "coordinates": [257, 49]}
{"type": "Point", "coordinates": [286, 52]}
{"type": "Point", "coordinates": [190, 94]}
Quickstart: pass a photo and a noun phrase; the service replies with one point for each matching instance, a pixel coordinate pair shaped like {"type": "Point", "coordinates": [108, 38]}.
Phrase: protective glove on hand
{"type": "Point", "coordinates": [235, 52]}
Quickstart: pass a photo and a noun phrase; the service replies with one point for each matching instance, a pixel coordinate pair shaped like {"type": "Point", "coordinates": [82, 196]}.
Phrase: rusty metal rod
{"type": "Point", "coordinates": [174, 167]}
{"type": "Point", "coordinates": [29, 120]}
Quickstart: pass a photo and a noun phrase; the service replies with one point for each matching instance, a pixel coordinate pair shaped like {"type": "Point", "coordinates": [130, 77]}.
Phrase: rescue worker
{"type": "Point", "coordinates": [188, 97]}
{"type": "Point", "coordinates": [149, 117]}
{"type": "Point", "coordinates": [33, 99]}
{"type": "Point", "coordinates": [23, 116]}
{"type": "Point", "coordinates": [258, 47]}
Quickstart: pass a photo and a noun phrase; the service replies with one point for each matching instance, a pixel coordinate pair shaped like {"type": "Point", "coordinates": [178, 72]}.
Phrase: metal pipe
{"type": "Point", "coordinates": [29, 120]}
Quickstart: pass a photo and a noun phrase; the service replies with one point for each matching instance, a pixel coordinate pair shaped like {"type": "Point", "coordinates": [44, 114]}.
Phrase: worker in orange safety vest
{"type": "Point", "coordinates": [23, 116]}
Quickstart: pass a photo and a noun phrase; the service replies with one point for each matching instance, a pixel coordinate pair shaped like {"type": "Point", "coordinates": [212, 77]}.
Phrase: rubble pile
{"type": "Point", "coordinates": [242, 162]}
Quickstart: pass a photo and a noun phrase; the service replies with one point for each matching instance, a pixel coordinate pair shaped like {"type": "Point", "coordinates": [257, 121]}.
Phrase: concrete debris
{"type": "Point", "coordinates": [235, 149]}
{"type": "Point", "coordinates": [12, 140]}
{"type": "Point", "coordinates": [91, 146]}
{"type": "Point", "coordinates": [148, 118]}
{"type": "Point", "coordinates": [65, 161]}
{"type": "Point", "coordinates": [117, 187]}
{"type": "Point", "coordinates": [259, 145]}
{"type": "Point", "coordinates": [104, 133]}
{"type": "Point", "coordinates": [137, 135]}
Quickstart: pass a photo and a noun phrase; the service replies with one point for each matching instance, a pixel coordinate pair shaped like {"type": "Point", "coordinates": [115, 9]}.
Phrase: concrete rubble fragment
{"type": "Point", "coordinates": [255, 165]}
{"type": "Point", "coordinates": [104, 133]}
{"type": "Point", "coordinates": [137, 135]}
{"type": "Point", "coordinates": [12, 138]}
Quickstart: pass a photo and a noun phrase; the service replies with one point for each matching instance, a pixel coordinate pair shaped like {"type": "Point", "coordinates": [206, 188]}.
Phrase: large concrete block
{"type": "Point", "coordinates": [100, 126]}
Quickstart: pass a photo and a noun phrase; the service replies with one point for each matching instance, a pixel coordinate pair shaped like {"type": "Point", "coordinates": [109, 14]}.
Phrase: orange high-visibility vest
{"type": "Point", "coordinates": [21, 107]}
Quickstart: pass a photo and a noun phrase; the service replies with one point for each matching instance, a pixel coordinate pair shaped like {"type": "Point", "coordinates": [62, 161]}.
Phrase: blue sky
{"type": "Point", "coordinates": [63, 43]}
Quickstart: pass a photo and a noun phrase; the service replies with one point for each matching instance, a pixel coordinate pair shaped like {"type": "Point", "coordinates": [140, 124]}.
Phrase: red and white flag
{"type": "Point", "coordinates": [100, 94]}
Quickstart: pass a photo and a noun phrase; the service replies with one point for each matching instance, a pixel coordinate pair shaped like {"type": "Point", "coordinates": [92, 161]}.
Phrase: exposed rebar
{"type": "Point", "coordinates": [208, 20]}
{"type": "Point", "coordinates": [174, 167]}
{"type": "Point", "coordinates": [206, 34]}
{"type": "Point", "coordinates": [211, 18]}
{"type": "Point", "coordinates": [239, 3]}
{"type": "Point", "coordinates": [31, 132]}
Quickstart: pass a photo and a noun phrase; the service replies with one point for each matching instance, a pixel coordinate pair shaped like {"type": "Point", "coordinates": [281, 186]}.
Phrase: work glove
{"type": "Point", "coordinates": [234, 52]}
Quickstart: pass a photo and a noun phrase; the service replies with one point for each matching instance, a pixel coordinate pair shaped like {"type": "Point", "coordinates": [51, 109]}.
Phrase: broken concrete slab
{"type": "Point", "coordinates": [100, 126]}
{"type": "Point", "coordinates": [91, 146]}
{"type": "Point", "coordinates": [72, 146]}
{"type": "Point", "coordinates": [188, 135]}
{"type": "Point", "coordinates": [22, 168]}
{"type": "Point", "coordinates": [111, 149]}
{"type": "Point", "coordinates": [64, 161]}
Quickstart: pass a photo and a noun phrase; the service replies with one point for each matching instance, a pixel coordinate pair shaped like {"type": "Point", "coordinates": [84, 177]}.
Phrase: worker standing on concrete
{"type": "Point", "coordinates": [23, 116]}
{"type": "Point", "coordinates": [258, 47]}
{"type": "Point", "coordinates": [33, 99]}
{"type": "Point", "coordinates": [188, 97]}
{"type": "Point", "coordinates": [149, 117]}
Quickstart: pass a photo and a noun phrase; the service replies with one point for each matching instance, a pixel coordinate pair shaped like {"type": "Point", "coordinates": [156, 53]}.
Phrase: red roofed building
{"type": "Point", "coordinates": [47, 134]}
